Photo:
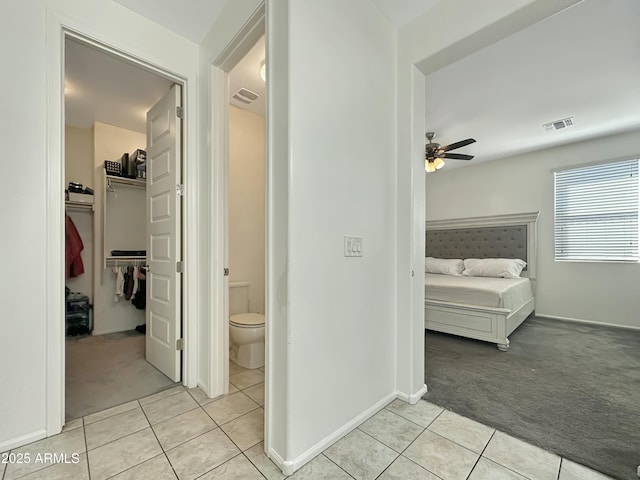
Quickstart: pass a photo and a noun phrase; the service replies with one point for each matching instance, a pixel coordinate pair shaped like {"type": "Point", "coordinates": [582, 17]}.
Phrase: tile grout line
{"type": "Point", "coordinates": [223, 463]}
{"type": "Point", "coordinates": [45, 466]}
{"type": "Point", "coordinates": [160, 392]}
{"type": "Point", "coordinates": [254, 465]}
{"type": "Point", "coordinates": [125, 436]}
{"type": "Point", "coordinates": [400, 454]}
{"type": "Point", "coordinates": [159, 444]}
{"type": "Point", "coordinates": [86, 448]}
{"type": "Point", "coordinates": [240, 451]}
{"type": "Point", "coordinates": [217, 425]}
{"type": "Point", "coordinates": [495, 430]}
{"type": "Point", "coordinates": [481, 454]}
{"type": "Point", "coordinates": [424, 429]}
{"type": "Point", "coordinates": [322, 453]}
{"type": "Point", "coordinates": [231, 440]}
{"type": "Point", "coordinates": [108, 416]}
{"type": "Point", "coordinates": [405, 418]}
{"type": "Point", "coordinates": [526, 443]}
{"type": "Point", "coordinates": [560, 467]}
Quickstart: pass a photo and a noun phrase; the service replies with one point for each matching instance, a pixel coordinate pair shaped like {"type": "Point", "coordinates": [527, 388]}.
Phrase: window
{"type": "Point", "coordinates": [596, 212]}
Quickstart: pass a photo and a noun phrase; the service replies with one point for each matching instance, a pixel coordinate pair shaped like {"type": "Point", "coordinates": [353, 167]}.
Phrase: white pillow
{"type": "Point", "coordinates": [493, 267]}
{"type": "Point", "coordinates": [444, 266]}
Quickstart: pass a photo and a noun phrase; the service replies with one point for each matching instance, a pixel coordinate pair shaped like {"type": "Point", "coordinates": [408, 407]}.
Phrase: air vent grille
{"type": "Point", "coordinates": [245, 96]}
{"type": "Point", "coordinates": [559, 124]}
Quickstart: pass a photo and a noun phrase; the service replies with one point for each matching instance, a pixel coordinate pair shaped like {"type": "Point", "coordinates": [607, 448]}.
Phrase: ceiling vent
{"type": "Point", "coordinates": [245, 96]}
{"type": "Point", "coordinates": [559, 124]}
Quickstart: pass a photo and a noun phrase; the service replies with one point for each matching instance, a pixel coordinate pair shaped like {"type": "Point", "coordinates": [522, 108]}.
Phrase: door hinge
{"type": "Point", "coordinates": [179, 344]}
{"type": "Point", "coordinates": [179, 266]}
{"type": "Point", "coordinates": [180, 190]}
{"type": "Point", "coordinates": [179, 112]}
{"type": "Point", "coordinates": [226, 272]}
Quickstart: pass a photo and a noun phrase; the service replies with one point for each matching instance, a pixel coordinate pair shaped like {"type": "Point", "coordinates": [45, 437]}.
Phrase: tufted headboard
{"type": "Point", "coordinates": [497, 236]}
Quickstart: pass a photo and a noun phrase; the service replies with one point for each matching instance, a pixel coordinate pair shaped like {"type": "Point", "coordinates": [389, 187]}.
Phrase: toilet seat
{"type": "Point", "coordinates": [247, 320]}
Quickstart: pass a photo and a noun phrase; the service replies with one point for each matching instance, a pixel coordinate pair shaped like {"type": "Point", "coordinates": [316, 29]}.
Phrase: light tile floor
{"type": "Point", "coordinates": [180, 433]}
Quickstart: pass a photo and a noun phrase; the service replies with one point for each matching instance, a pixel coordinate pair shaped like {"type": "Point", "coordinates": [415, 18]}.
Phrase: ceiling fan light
{"type": "Point", "coordinates": [438, 163]}
{"type": "Point", "coordinates": [429, 166]}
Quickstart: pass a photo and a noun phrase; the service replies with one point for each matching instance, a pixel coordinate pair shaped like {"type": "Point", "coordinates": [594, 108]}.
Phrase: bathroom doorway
{"type": "Point", "coordinates": [246, 223]}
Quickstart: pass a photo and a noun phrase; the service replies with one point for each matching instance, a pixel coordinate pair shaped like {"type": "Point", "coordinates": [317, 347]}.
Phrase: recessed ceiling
{"type": "Point", "coordinates": [581, 63]}
{"type": "Point", "coordinates": [100, 87]}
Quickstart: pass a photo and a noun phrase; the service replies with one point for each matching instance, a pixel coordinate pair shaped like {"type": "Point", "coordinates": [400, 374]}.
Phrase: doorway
{"type": "Point", "coordinates": [246, 222]}
{"type": "Point", "coordinates": [111, 357]}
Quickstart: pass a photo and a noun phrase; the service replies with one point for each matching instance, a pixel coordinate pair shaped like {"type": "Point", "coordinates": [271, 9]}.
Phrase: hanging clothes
{"type": "Point", "coordinates": [136, 279]}
{"type": "Point", "coordinates": [128, 284]}
{"type": "Point", "coordinates": [119, 283]}
{"type": "Point", "coordinates": [73, 249]}
{"type": "Point", "coordinates": [140, 299]}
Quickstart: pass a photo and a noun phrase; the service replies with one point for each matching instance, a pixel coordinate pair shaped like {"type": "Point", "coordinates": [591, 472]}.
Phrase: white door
{"type": "Point", "coordinates": [163, 313]}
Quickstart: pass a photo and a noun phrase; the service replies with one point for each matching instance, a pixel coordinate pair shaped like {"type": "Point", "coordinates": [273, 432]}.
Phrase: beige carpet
{"type": "Point", "coordinates": [107, 370]}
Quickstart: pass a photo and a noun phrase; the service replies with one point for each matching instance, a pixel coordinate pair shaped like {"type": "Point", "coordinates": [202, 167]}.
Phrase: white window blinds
{"type": "Point", "coordinates": [596, 212]}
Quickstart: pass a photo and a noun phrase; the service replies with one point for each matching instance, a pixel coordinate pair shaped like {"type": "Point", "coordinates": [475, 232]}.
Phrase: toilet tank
{"type": "Point", "coordinates": [238, 298]}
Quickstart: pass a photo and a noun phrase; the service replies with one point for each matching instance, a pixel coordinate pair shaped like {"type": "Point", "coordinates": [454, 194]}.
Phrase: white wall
{"type": "Point", "coordinates": [78, 156]}
{"type": "Point", "coordinates": [246, 203]}
{"type": "Point", "coordinates": [29, 255]}
{"type": "Point", "coordinates": [339, 364]}
{"type": "Point", "coordinates": [22, 403]}
{"type": "Point", "coordinates": [597, 291]}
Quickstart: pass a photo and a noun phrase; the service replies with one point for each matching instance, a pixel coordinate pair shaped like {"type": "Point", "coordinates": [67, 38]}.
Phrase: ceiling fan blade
{"type": "Point", "coordinates": [461, 143]}
{"type": "Point", "coordinates": [457, 156]}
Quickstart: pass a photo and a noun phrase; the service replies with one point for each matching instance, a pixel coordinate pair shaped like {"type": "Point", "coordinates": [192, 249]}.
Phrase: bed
{"type": "Point", "coordinates": [482, 308]}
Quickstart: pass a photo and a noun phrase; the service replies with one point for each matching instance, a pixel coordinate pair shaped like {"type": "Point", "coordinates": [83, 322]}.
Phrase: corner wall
{"type": "Point", "coordinates": [341, 181]}
{"type": "Point", "coordinates": [593, 291]}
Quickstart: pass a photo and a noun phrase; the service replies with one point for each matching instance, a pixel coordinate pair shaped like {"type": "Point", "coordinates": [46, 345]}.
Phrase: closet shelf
{"type": "Point", "coordinates": [78, 205]}
{"type": "Point", "coordinates": [135, 182]}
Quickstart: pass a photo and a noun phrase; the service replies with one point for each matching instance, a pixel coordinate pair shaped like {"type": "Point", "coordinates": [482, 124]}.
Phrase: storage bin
{"type": "Point", "coordinates": [78, 314]}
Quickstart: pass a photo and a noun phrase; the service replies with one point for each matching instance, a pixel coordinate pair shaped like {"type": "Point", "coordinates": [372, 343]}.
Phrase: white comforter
{"type": "Point", "coordinates": [508, 293]}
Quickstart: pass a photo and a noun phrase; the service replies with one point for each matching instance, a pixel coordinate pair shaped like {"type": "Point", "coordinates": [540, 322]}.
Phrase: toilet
{"type": "Point", "coordinates": [246, 330]}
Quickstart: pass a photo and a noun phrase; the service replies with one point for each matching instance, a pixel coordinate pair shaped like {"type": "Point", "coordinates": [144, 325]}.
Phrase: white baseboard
{"type": "Point", "coordinates": [288, 467]}
{"type": "Point", "coordinates": [590, 322]}
{"type": "Point", "coordinates": [414, 397]}
{"type": "Point", "coordinates": [285, 465]}
{"type": "Point", "coordinates": [22, 440]}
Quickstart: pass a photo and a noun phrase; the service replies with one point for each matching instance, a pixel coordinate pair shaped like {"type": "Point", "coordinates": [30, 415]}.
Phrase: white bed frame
{"type": "Point", "coordinates": [484, 323]}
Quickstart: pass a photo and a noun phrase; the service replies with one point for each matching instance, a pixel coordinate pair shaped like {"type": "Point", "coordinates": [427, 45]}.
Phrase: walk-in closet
{"type": "Point", "coordinates": [106, 102]}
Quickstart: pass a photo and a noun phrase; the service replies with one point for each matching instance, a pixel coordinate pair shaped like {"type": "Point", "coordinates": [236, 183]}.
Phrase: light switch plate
{"type": "Point", "coordinates": [352, 246]}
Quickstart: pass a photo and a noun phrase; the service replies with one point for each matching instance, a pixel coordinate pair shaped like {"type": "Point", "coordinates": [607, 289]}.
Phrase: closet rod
{"type": "Point", "coordinates": [126, 261]}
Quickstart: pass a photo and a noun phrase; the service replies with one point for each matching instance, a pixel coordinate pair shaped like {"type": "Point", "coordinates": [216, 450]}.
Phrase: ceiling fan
{"type": "Point", "coordinates": [434, 152]}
